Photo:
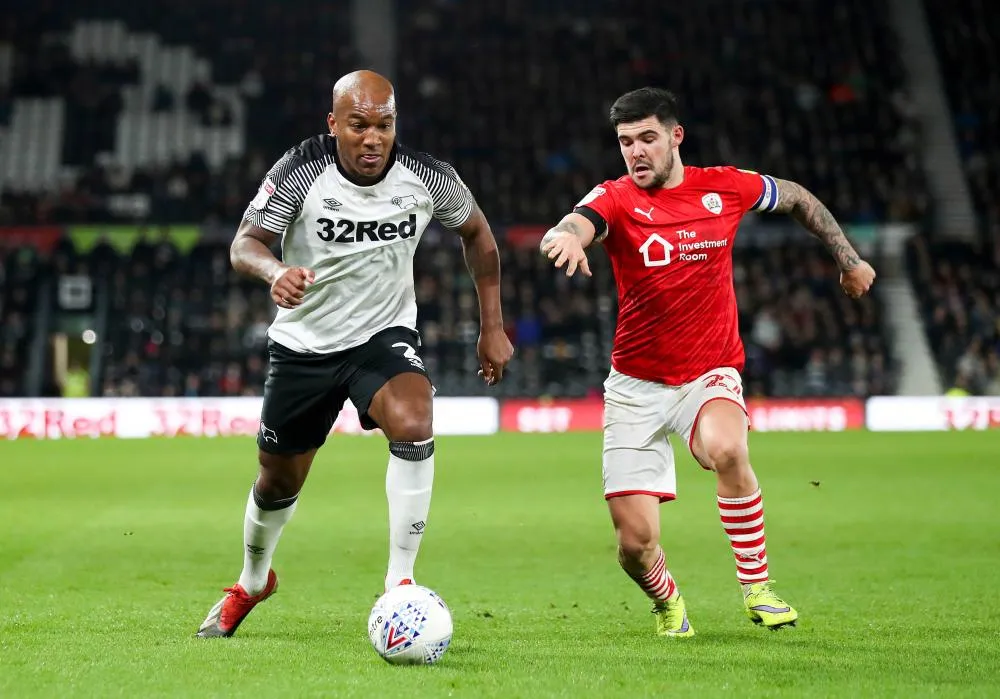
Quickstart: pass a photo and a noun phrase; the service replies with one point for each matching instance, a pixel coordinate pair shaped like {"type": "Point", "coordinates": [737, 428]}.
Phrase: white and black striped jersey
{"type": "Point", "coordinates": [359, 240]}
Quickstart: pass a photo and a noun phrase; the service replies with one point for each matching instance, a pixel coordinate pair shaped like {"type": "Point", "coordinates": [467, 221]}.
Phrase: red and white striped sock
{"type": "Point", "coordinates": [743, 520]}
{"type": "Point", "coordinates": [657, 582]}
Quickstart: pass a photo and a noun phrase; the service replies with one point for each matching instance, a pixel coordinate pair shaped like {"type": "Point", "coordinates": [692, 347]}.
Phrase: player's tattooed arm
{"type": "Point", "coordinates": [574, 224]}
{"type": "Point", "coordinates": [566, 243]}
{"type": "Point", "coordinates": [483, 261]}
{"type": "Point", "coordinates": [804, 207]}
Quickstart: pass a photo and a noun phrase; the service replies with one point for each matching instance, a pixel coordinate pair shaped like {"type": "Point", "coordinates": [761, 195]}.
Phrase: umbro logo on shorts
{"type": "Point", "coordinates": [410, 355]}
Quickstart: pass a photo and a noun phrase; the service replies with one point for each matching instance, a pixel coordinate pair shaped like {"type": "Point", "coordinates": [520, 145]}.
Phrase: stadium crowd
{"type": "Point", "coordinates": [186, 324]}
{"type": "Point", "coordinates": [525, 162]}
{"type": "Point", "coordinates": [19, 273]}
{"type": "Point", "coordinates": [960, 283]}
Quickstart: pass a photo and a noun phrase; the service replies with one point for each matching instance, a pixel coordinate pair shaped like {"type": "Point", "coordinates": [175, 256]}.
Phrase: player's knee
{"type": "Point", "coordinates": [409, 425]}
{"type": "Point", "coordinates": [726, 455]}
{"type": "Point", "coordinates": [637, 543]}
{"type": "Point", "coordinates": [280, 478]}
{"type": "Point", "coordinates": [271, 489]}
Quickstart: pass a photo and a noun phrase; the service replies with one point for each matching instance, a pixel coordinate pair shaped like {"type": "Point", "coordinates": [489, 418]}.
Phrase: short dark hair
{"type": "Point", "coordinates": [645, 102]}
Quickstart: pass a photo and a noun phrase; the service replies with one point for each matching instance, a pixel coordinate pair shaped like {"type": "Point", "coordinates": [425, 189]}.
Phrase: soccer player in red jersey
{"type": "Point", "coordinates": [668, 230]}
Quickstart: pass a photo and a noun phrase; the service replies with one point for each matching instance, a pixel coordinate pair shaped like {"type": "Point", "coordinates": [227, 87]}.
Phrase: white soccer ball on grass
{"type": "Point", "coordinates": [410, 625]}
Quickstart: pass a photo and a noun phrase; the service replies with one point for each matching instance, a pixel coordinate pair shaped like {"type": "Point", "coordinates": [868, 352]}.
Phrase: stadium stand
{"type": "Point", "coordinates": [178, 126]}
{"type": "Point", "coordinates": [20, 270]}
{"type": "Point", "coordinates": [161, 106]}
{"type": "Point", "coordinates": [809, 91]}
{"type": "Point", "coordinates": [164, 114]}
{"type": "Point", "coordinates": [960, 282]}
{"type": "Point", "coordinates": [185, 324]}
{"type": "Point", "coordinates": [960, 296]}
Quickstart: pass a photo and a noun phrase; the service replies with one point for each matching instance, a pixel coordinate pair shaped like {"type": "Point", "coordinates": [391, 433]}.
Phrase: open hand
{"type": "Point", "coordinates": [565, 249]}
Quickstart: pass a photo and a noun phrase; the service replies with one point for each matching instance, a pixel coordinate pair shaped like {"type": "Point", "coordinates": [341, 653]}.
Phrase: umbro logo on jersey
{"type": "Point", "coordinates": [332, 204]}
{"type": "Point", "coordinates": [406, 202]}
{"type": "Point", "coordinates": [346, 231]}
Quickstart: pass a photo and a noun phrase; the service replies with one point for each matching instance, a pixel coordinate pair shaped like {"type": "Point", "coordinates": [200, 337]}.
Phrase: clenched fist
{"type": "Point", "coordinates": [289, 287]}
{"type": "Point", "coordinates": [858, 280]}
{"type": "Point", "coordinates": [494, 351]}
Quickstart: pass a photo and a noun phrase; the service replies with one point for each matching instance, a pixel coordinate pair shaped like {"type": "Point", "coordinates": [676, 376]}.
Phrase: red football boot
{"type": "Point", "coordinates": [230, 611]}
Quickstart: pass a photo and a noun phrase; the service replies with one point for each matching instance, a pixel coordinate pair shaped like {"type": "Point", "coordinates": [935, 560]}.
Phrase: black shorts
{"type": "Point", "coordinates": [304, 393]}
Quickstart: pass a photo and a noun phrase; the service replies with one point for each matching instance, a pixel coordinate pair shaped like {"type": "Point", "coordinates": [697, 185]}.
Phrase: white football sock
{"type": "Point", "coordinates": [408, 482]}
{"type": "Point", "coordinates": [261, 531]}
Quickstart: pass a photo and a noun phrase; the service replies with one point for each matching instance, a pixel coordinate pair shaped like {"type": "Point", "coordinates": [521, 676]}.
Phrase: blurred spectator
{"type": "Point", "coordinates": [76, 383]}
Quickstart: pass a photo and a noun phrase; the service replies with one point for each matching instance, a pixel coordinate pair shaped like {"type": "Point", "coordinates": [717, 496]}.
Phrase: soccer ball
{"type": "Point", "coordinates": [410, 625]}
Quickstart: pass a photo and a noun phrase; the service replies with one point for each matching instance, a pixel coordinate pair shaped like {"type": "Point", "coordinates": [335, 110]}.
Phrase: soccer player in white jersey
{"type": "Point", "coordinates": [349, 208]}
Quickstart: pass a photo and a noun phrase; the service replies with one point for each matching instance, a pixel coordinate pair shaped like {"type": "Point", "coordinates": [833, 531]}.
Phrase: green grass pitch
{"type": "Point", "coordinates": [111, 553]}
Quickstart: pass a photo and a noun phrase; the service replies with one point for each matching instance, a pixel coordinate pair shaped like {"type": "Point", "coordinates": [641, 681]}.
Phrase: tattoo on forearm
{"type": "Point", "coordinates": [568, 227]}
{"type": "Point", "coordinates": [561, 227]}
{"type": "Point", "coordinates": [805, 208]}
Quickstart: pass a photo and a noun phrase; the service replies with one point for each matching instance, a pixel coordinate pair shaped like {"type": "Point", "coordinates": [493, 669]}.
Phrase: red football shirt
{"type": "Point", "coordinates": [671, 253]}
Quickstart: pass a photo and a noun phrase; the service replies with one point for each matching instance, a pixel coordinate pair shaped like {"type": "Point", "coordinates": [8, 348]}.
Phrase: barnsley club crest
{"type": "Point", "coordinates": [712, 202]}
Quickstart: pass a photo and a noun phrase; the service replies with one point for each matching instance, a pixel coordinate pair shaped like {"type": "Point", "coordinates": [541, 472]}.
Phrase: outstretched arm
{"type": "Point", "coordinates": [483, 261]}
{"type": "Point", "coordinates": [856, 275]}
{"type": "Point", "coordinates": [804, 207]}
{"type": "Point", "coordinates": [565, 243]}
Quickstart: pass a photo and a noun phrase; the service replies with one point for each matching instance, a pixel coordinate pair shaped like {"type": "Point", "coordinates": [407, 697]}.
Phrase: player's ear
{"type": "Point", "coordinates": [331, 122]}
{"type": "Point", "coordinates": [677, 133]}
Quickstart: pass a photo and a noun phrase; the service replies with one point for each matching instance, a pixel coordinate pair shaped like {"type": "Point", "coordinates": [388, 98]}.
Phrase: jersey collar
{"type": "Point", "coordinates": [389, 162]}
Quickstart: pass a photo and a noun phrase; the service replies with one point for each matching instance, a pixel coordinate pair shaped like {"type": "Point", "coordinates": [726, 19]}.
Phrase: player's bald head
{"type": "Point", "coordinates": [363, 90]}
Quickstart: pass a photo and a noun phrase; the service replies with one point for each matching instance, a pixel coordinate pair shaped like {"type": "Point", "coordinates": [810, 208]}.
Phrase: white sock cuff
{"type": "Point", "coordinates": [270, 515]}
{"type": "Point", "coordinates": [741, 501]}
